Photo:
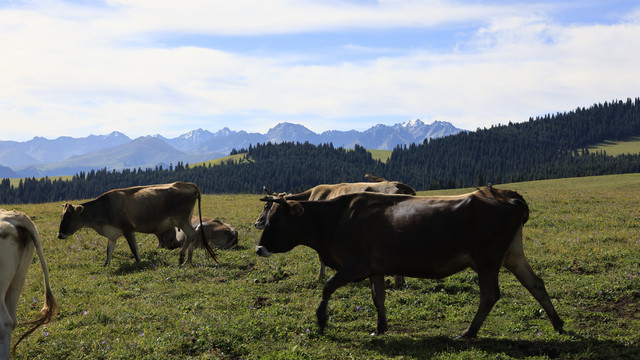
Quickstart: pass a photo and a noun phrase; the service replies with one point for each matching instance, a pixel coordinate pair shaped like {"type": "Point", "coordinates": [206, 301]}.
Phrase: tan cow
{"type": "Point", "coordinates": [149, 209]}
{"type": "Point", "coordinates": [368, 235]}
{"type": "Point", "coordinates": [18, 239]}
{"type": "Point", "coordinates": [330, 191]}
{"type": "Point", "coordinates": [219, 234]}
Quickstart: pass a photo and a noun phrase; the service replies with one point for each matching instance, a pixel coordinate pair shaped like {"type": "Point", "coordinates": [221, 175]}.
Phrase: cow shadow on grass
{"type": "Point", "coordinates": [150, 261]}
{"type": "Point", "coordinates": [154, 259]}
{"type": "Point", "coordinates": [574, 346]}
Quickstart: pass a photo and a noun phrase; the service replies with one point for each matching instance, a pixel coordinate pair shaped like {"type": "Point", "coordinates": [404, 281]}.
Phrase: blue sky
{"type": "Point", "coordinates": [74, 68]}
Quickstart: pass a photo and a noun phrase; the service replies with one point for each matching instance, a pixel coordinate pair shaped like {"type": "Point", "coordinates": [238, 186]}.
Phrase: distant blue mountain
{"type": "Point", "coordinates": [380, 137]}
{"type": "Point", "coordinates": [68, 156]}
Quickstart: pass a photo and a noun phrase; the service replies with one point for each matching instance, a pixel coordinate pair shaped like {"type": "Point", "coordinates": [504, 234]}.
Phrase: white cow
{"type": "Point", "coordinates": [18, 238]}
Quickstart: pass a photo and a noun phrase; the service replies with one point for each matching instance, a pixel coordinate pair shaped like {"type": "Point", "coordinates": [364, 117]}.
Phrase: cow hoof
{"type": "Point", "coordinates": [466, 336]}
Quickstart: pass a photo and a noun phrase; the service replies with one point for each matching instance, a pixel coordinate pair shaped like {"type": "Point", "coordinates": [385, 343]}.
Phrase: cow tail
{"type": "Point", "coordinates": [50, 308]}
{"type": "Point", "coordinates": [205, 243]}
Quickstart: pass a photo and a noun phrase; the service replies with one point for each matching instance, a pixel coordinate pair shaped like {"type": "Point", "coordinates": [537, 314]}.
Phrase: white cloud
{"type": "Point", "coordinates": [286, 16]}
{"type": "Point", "coordinates": [75, 70]}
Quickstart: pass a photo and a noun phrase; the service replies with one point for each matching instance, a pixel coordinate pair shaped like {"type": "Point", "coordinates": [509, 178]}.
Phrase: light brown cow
{"type": "Point", "coordinates": [330, 191]}
{"type": "Point", "coordinates": [147, 209]}
{"type": "Point", "coordinates": [18, 239]}
{"type": "Point", "coordinates": [368, 235]}
{"type": "Point", "coordinates": [219, 234]}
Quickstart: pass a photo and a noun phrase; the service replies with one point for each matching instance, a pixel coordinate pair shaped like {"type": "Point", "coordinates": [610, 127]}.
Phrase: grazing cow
{"type": "Point", "coordinates": [18, 239]}
{"type": "Point", "coordinates": [330, 191]}
{"type": "Point", "coordinates": [368, 235]}
{"type": "Point", "coordinates": [147, 209]}
{"type": "Point", "coordinates": [219, 234]}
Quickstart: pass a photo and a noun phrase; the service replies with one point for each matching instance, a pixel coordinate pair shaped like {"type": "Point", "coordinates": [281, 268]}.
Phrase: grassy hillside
{"type": "Point", "coordinates": [614, 148]}
{"type": "Point", "coordinates": [382, 155]}
{"type": "Point", "coordinates": [582, 238]}
{"type": "Point", "coordinates": [237, 157]}
{"type": "Point", "coordinates": [16, 181]}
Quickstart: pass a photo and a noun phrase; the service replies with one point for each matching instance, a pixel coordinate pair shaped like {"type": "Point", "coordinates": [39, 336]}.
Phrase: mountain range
{"type": "Point", "coordinates": [67, 156]}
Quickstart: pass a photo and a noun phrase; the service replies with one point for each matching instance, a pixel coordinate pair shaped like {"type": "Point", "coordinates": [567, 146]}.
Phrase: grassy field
{"type": "Point", "coordinates": [382, 155]}
{"type": "Point", "coordinates": [16, 181]}
{"type": "Point", "coordinates": [583, 239]}
{"type": "Point", "coordinates": [237, 157]}
{"type": "Point", "coordinates": [614, 148]}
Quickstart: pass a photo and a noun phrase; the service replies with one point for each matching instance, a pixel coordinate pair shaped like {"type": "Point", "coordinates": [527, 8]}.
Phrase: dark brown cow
{"type": "Point", "coordinates": [147, 209]}
{"type": "Point", "coordinates": [368, 235]}
{"type": "Point", "coordinates": [330, 191]}
{"type": "Point", "coordinates": [219, 234]}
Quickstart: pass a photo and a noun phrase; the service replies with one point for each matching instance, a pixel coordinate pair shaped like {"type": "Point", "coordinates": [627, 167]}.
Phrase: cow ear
{"type": "Point", "coordinates": [79, 209]}
{"type": "Point", "coordinates": [405, 189]}
{"type": "Point", "coordinates": [296, 208]}
{"type": "Point", "coordinates": [67, 208]}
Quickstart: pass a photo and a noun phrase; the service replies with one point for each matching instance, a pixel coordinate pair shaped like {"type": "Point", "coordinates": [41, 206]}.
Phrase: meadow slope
{"type": "Point", "coordinates": [583, 239]}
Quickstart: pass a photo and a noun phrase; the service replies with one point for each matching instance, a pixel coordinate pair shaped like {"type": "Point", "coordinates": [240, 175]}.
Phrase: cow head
{"type": "Point", "coordinates": [281, 226]}
{"type": "Point", "coordinates": [70, 222]}
{"type": "Point", "coordinates": [261, 221]}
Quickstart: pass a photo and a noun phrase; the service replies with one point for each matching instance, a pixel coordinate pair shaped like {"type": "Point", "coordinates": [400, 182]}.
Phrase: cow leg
{"type": "Point", "coordinates": [11, 297]}
{"type": "Point", "coordinates": [14, 266]}
{"type": "Point", "coordinates": [111, 245]}
{"type": "Point", "coordinates": [133, 244]}
{"type": "Point", "coordinates": [489, 295]}
{"type": "Point", "coordinates": [7, 323]}
{"type": "Point", "coordinates": [378, 294]}
{"type": "Point", "coordinates": [322, 272]}
{"type": "Point", "coordinates": [6, 327]}
{"type": "Point", "coordinates": [188, 244]}
{"type": "Point", "coordinates": [398, 281]}
{"type": "Point", "coordinates": [338, 280]}
{"type": "Point", "coordinates": [516, 262]}
{"type": "Point", "coordinates": [190, 254]}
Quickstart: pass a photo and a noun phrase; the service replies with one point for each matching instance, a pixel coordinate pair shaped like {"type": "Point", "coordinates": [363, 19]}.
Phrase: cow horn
{"type": "Point", "coordinates": [281, 201]}
{"type": "Point", "coordinates": [269, 192]}
{"type": "Point", "coordinates": [374, 178]}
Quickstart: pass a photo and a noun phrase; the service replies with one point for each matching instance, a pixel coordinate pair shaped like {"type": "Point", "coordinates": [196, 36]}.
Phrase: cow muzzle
{"type": "Point", "coordinates": [62, 236]}
{"type": "Point", "coordinates": [262, 251]}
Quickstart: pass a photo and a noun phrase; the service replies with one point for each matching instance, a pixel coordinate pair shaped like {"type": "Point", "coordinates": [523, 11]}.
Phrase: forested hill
{"type": "Point", "coordinates": [552, 146]}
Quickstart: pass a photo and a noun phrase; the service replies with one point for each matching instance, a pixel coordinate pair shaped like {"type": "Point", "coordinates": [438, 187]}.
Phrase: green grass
{"type": "Point", "coordinates": [238, 157]}
{"type": "Point", "coordinates": [16, 181]}
{"type": "Point", "coordinates": [614, 148]}
{"type": "Point", "coordinates": [583, 239]}
{"type": "Point", "coordinates": [382, 155]}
